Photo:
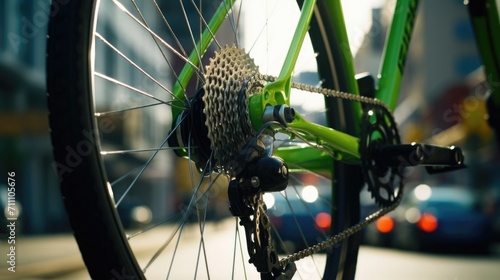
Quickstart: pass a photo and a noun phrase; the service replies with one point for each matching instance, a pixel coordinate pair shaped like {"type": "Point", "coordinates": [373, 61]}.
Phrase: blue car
{"type": "Point", "coordinates": [442, 217]}
{"type": "Point", "coordinates": [300, 216]}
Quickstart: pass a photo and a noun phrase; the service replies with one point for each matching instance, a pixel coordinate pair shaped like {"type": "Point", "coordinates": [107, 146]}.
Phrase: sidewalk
{"type": "Point", "coordinates": [50, 256]}
{"type": "Point", "coordinates": [42, 257]}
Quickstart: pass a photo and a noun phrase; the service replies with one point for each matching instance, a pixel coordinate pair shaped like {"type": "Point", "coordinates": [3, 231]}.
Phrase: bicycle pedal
{"type": "Point", "coordinates": [435, 158]}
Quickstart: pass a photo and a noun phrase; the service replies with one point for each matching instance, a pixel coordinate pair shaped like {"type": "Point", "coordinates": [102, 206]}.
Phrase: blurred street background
{"type": "Point", "coordinates": [442, 102]}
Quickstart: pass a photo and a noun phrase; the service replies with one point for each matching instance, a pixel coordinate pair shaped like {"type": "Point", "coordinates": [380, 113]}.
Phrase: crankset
{"type": "Point", "coordinates": [385, 160]}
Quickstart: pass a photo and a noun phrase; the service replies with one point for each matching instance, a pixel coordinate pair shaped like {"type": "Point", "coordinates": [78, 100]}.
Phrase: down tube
{"type": "Point", "coordinates": [394, 57]}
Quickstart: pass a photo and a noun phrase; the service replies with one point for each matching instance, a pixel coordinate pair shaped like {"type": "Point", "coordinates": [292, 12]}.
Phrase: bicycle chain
{"type": "Point", "coordinates": [231, 78]}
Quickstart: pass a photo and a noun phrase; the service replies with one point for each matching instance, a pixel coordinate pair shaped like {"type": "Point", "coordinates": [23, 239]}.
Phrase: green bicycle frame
{"type": "Point", "coordinates": [343, 146]}
{"type": "Point", "coordinates": [332, 142]}
{"type": "Point", "coordinates": [396, 49]}
{"type": "Point", "coordinates": [486, 24]}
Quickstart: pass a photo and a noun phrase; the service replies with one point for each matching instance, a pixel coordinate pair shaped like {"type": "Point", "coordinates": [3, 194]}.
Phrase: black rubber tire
{"type": "Point", "coordinates": [347, 182]}
{"type": "Point", "coordinates": [94, 220]}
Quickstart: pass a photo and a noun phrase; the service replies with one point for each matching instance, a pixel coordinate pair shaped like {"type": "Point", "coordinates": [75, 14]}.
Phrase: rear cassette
{"type": "Point", "coordinates": [230, 79]}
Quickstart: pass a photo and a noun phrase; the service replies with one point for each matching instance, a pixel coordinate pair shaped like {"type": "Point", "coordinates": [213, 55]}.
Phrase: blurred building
{"type": "Point", "coordinates": [443, 73]}
{"type": "Point", "coordinates": [442, 96]}
{"type": "Point", "coordinates": [25, 145]}
{"type": "Point", "coordinates": [24, 141]}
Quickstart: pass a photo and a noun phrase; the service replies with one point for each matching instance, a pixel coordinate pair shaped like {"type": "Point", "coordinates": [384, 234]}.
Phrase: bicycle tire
{"type": "Point", "coordinates": [67, 104]}
{"type": "Point", "coordinates": [80, 166]}
{"type": "Point", "coordinates": [342, 262]}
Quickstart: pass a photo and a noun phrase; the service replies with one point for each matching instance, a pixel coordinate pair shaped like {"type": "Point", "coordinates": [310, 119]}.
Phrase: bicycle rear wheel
{"type": "Point", "coordinates": [135, 207]}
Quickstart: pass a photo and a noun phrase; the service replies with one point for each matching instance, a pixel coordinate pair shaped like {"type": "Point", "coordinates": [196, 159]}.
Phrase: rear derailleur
{"type": "Point", "coordinates": [254, 173]}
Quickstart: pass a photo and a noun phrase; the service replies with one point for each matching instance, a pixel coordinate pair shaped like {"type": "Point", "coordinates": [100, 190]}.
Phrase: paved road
{"type": "Point", "coordinates": [57, 257]}
{"type": "Point", "coordinates": [388, 264]}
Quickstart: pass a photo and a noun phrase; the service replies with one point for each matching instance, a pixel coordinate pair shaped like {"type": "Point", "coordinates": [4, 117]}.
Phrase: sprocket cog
{"type": "Point", "coordinates": [230, 79]}
{"type": "Point", "coordinates": [378, 129]}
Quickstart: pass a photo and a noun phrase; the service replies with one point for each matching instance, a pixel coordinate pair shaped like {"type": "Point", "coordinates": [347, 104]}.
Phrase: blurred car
{"type": "Point", "coordinates": [493, 206]}
{"type": "Point", "coordinates": [442, 217]}
{"type": "Point", "coordinates": [300, 216]}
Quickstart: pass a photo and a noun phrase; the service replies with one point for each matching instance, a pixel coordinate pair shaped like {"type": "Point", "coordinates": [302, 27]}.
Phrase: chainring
{"type": "Point", "coordinates": [378, 129]}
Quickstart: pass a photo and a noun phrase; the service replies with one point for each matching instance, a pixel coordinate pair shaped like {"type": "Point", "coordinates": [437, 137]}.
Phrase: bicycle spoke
{"type": "Point", "coordinates": [191, 35]}
{"type": "Point", "coordinates": [195, 199]}
{"type": "Point", "coordinates": [175, 250]}
{"type": "Point", "coordinates": [264, 27]}
{"type": "Point", "coordinates": [176, 39]}
{"type": "Point", "coordinates": [237, 241]}
{"type": "Point", "coordinates": [294, 216]}
{"type": "Point", "coordinates": [153, 226]}
{"type": "Point", "coordinates": [203, 23]}
{"type": "Point", "coordinates": [178, 231]}
{"type": "Point", "coordinates": [185, 59]}
{"type": "Point", "coordinates": [117, 82]}
{"type": "Point", "coordinates": [150, 159]}
{"type": "Point", "coordinates": [201, 247]}
{"type": "Point", "coordinates": [236, 24]}
{"type": "Point", "coordinates": [116, 181]}
{"type": "Point", "coordinates": [202, 220]}
{"type": "Point", "coordinates": [171, 31]}
{"type": "Point", "coordinates": [311, 215]}
{"type": "Point", "coordinates": [136, 67]}
{"type": "Point", "coordinates": [142, 168]}
{"type": "Point", "coordinates": [158, 44]}
{"type": "Point", "coordinates": [121, 152]}
{"type": "Point", "coordinates": [299, 227]}
{"type": "Point", "coordinates": [193, 206]}
{"type": "Point", "coordinates": [102, 114]}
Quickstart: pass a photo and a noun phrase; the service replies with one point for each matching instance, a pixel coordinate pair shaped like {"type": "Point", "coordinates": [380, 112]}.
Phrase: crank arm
{"type": "Point", "coordinates": [436, 159]}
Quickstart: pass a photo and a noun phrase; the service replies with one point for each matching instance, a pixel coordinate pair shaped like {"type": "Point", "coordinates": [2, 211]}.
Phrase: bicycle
{"type": "Point", "coordinates": [235, 125]}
